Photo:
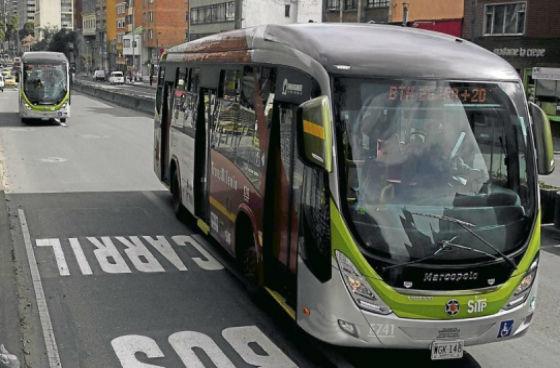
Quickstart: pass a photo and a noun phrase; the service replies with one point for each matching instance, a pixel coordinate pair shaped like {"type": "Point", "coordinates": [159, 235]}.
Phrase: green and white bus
{"type": "Point", "coordinates": [379, 182]}
{"type": "Point", "coordinates": [44, 86]}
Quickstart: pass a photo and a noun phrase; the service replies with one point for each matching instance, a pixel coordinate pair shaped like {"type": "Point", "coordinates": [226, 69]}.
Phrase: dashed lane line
{"type": "Point", "coordinates": [44, 315]}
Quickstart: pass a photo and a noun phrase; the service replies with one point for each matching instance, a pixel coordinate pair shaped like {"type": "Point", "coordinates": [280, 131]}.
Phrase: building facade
{"type": "Point", "coordinates": [444, 16]}
{"type": "Point", "coordinates": [213, 16]}
{"type": "Point", "coordinates": [90, 51]}
{"type": "Point", "coordinates": [360, 11]}
{"type": "Point", "coordinates": [26, 12]}
{"type": "Point", "coordinates": [53, 14]}
{"type": "Point", "coordinates": [77, 14]}
{"type": "Point", "coordinates": [164, 25]}
{"type": "Point", "coordinates": [527, 34]}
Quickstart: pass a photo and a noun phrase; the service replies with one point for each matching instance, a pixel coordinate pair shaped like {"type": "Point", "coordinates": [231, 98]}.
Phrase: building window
{"type": "Point", "coordinates": [504, 19]}
{"type": "Point", "coordinates": [333, 4]}
{"type": "Point", "coordinates": [377, 3]}
{"type": "Point", "coordinates": [350, 4]}
{"type": "Point", "coordinates": [215, 13]}
{"type": "Point", "coordinates": [287, 11]}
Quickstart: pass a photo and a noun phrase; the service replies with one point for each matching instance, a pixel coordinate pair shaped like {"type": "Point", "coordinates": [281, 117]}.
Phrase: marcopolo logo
{"type": "Point", "coordinates": [450, 276]}
{"type": "Point", "coordinates": [291, 88]}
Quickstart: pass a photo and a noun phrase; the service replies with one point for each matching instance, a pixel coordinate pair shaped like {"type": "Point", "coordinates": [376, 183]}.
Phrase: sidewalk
{"type": "Point", "coordinates": [143, 84]}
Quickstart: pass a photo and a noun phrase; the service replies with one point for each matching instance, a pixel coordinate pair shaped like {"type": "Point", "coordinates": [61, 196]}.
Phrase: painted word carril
{"type": "Point", "coordinates": [108, 252]}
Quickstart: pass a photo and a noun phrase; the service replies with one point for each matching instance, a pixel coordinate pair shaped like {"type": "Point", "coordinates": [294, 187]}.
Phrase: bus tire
{"type": "Point", "coordinates": [24, 121]}
{"type": "Point", "coordinates": [247, 255]}
{"type": "Point", "coordinates": [176, 200]}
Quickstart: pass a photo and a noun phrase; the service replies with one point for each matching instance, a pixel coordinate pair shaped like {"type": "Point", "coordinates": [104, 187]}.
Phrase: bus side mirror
{"type": "Point", "coordinates": [543, 140]}
{"type": "Point", "coordinates": [315, 138]}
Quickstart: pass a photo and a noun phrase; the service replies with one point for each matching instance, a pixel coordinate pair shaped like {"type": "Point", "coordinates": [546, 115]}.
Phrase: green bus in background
{"type": "Point", "coordinates": [44, 86]}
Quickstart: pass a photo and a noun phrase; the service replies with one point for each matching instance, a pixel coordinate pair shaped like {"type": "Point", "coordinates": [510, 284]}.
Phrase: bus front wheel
{"type": "Point", "coordinates": [176, 200]}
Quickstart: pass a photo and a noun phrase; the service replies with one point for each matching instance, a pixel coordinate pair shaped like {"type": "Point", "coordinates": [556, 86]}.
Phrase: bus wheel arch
{"type": "Point", "coordinates": [247, 252]}
{"type": "Point", "coordinates": [175, 189]}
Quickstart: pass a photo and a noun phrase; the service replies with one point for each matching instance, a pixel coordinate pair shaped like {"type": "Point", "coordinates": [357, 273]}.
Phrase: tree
{"type": "Point", "coordinates": [47, 35]}
{"type": "Point", "coordinates": [9, 29]}
{"type": "Point", "coordinates": [28, 29]}
{"type": "Point", "coordinates": [63, 41]}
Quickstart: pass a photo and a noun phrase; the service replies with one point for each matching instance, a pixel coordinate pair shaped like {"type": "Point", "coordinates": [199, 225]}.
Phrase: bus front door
{"type": "Point", "coordinates": [202, 154]}
{"type": "Point", "coordinates": [165, 127]}
{"type": "Point", "coordinates": [282, 205]}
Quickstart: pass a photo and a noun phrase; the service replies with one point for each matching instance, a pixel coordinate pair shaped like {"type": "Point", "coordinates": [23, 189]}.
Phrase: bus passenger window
{"type": "Point", "coordinates": [226, 130]}
{"type": "Point", "coordinates": [194, 80]}
{"type": "Point", "coordinates": [190, 103]}
{"type": "Point", "coordinates": [248, 149]}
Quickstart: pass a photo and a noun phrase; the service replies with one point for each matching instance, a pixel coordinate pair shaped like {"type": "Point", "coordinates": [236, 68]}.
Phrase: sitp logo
{"type": "Point", "coordinates": [476, 306]}
{"type": "Point", "coordinates": [452, 307]}
{"type": "Point", "coordinates": [505, 328]}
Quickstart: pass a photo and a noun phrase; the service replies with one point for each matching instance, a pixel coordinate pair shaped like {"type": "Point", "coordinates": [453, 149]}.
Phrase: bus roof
{"type": "Point", "coordinates": [44, 57]}
{"type": "Point", "coordinates": [367, 49]}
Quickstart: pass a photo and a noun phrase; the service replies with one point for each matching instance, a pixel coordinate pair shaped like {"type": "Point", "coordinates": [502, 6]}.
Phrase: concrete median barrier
{"type": "Point", "coordinates": [138, 103]}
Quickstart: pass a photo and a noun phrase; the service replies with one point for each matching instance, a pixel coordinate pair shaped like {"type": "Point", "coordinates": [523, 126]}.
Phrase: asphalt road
{"type": "Point", "coordinates": [95, 271]}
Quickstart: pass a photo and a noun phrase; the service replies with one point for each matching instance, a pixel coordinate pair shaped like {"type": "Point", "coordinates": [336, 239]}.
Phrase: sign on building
{"type": "Point", "coordinates": [546, 73]}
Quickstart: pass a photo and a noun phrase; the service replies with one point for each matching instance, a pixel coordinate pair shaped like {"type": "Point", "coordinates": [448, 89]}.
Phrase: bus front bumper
{"type": "Point", "coordinates": [333, 317]}
{"type": "Point", "coordinates": [30, 113]}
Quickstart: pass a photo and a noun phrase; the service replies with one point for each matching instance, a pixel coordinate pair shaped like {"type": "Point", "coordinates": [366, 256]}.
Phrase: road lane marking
{"type": "Point", "coordinates": [146, 254]}
{"type": "Point", "coordinates": [242, 339]}
{"type": "Point", "coordinates": [108, 256]}
{"type": "Point", "coordinates": [165, 249]}
{"type": "Point", "coordinates": [44, 316]}
{"type": "Point", "coordinates": [85, 268]}
{"type": "Point", "coordinates": [253, 346]}
{"type": "Point", "coordinates": [208, 264]}
{"type": "Point", "coordinates": [185, 342]}
{"type": "Point", "coordinates": [139, 255]}
{"type": "Point", "coordinates": [58, 254]}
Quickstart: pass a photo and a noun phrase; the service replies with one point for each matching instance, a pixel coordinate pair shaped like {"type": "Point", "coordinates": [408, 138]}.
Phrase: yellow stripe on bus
{"type": "Point", "coordinates": [222, 209]}
{"type": "Point", "coordinates": [203, 226]}
{"type": "Point", "coordinates": [282, 302]}
{"type": "Point", "coordinates": [313, 129]}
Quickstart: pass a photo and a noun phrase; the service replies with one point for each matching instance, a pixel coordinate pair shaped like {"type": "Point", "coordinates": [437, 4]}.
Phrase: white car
{"type": "Point", "coordinates": [1, 83]}
{"type": "Point", "coordinates": [116, 78]}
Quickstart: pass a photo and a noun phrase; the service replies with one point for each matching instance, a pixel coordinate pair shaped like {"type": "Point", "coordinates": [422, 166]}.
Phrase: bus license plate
{"type": "Point", "coordinates": [447, 349]}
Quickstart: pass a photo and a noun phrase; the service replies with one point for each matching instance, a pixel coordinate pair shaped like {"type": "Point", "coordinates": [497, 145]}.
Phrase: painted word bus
{"type": "Point", "coordinates": [44, 86]}
{"type": "Point", "coordinates": [379, 182]}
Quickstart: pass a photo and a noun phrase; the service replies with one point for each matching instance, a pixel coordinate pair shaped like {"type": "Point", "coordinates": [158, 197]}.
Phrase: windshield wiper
{"type": "Point", "coordinates": [467, 226]}
{"type": "Point", "coordinates": [445, 245]}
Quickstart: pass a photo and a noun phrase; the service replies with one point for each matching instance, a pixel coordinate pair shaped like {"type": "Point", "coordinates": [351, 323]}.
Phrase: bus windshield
{"type": "Point", "coordinates": [417, 153]}
{"type": "Point", "coordinates": [45, 84]}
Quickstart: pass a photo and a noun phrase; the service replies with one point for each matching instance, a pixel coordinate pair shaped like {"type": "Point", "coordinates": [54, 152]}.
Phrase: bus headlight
{"type": "Point", "coordinates": [359, 288]}
{"type": "Point", "coordinates": [524, 288]}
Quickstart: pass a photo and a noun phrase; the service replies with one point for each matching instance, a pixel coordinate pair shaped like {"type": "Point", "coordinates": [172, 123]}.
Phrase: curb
{"type": "Point", "coordinates": [138, 103]}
